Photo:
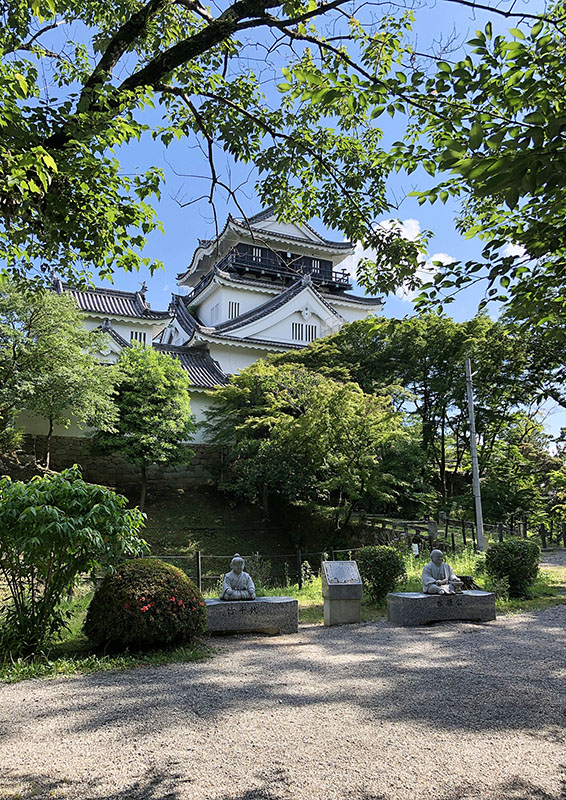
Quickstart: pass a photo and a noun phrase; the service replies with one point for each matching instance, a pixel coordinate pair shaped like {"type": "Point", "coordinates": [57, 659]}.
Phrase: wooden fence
{"type": "Point", "coordinates": [418, 536]}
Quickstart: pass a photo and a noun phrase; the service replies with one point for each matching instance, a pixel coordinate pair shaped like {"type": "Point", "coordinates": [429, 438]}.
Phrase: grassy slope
{"type": "Point", "coordinates": [186, 521]}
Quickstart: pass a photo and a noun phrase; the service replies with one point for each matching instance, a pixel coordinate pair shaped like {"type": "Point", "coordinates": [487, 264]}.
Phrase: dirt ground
{"type": "Point", "coordinates": [370, 712]}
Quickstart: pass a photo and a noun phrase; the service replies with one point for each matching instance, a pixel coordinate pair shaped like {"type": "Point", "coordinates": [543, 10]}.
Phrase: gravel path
{"type": "Point", "coordinates": [369, 712]}
{"type": "Point", "coordinates": [553, 558]}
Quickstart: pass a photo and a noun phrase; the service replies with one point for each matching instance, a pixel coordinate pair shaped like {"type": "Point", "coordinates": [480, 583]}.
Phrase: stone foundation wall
{"type": "Point", "coordinates": [117, 472]}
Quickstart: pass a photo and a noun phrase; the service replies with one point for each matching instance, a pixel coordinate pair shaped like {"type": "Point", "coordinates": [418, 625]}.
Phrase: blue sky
{"type": "Point", "coordinates": [436, 23]}
{"type": "Point", "coordinates": [186, 171]}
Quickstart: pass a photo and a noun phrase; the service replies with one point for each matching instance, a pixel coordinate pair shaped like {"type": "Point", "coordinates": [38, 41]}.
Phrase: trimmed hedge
{"type": "Point", "coordinates": [382, 569]}
{"type": "Point", "coordinates": [517, 560]}
{"type": "Point", "coordinates": [145, 604]}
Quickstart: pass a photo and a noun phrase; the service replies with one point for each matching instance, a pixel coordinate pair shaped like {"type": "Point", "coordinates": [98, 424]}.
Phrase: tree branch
{"type": "Point", "coordinates": [124, 37]}
{"type": "Point", "coordinates": [274, 133]}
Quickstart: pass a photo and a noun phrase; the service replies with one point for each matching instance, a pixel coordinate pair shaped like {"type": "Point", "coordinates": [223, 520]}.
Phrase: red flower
{"type": "Point", "coordinates": [171, 599]}
{"type": "Point", "coordinates": [202, 602]}
{"type": "Point", "coordinates": [143, 599]}
{"type": "Point", "coordinates": [127, 606]}
{"type": "Point", "coordinates": [145, 608]}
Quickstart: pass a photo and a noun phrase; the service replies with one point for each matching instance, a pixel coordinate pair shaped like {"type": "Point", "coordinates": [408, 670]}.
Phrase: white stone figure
{"type": "Point", "coordinates": [439, 577]}
{"type": "Point", "coordinates": [237, 584]}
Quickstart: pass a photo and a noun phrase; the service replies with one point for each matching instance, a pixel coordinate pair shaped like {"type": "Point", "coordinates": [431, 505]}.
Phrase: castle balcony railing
{"type": "Point", "coordinates": [274, 269]}
{"type": "Point", "coordinates": [200, 286]}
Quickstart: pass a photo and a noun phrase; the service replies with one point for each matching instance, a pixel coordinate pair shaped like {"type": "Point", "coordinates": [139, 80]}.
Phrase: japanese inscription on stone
{"type": "Point", "coordinates": [337, 572]}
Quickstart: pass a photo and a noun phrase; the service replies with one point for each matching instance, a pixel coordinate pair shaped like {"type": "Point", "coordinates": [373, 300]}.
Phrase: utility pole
{"type": "Point", "coordinates": [474, 452]}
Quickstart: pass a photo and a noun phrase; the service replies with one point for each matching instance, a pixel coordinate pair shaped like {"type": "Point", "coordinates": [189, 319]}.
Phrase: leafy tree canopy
{"type": "Point", "coordinates": [424, 356]}
{"type": "Point", "coordinates": [488, 127]}
{"type": "Point", "coordinates": [154, 415]}
{"type": "Point", "coordinates": [48, 362]}
{"type": "Point", "coordinates": [64, 202]}
{"type": "Point", "coordinates": [340, 441]}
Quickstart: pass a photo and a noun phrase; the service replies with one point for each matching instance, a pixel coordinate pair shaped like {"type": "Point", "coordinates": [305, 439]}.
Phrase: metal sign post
{"type": "Point", "coordinates": [474, 452]}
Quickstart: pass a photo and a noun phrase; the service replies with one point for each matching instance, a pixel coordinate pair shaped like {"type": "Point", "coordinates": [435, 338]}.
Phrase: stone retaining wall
{"type": "Point", "coordinates": [116, 471]}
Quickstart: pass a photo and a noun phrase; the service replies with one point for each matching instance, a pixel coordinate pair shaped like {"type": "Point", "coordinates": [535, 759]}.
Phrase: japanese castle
{"type": "Point", "coordinates": [260, 286]}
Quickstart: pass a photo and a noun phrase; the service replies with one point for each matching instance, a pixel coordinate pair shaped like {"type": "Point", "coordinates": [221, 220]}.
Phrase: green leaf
{"type": "Point", "coordinates": [476, 135]}
{"type": "Point", "coordinates": [22, 82]}
{"type": "Point", "coordinates": [512, 196]}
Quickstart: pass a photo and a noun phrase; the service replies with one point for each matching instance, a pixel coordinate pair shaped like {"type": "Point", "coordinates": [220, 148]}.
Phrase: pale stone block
{"type": "Point", "coordinates": [263, 615]}
{"type": "Point", "coordinates": [415, 608]}
{"type": "Point", "coordinates": [342, 612]}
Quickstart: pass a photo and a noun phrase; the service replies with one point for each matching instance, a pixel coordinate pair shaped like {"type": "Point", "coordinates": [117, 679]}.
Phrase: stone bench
{"type": "Point", "coordinates": [270, 615]}
{"type": "Point", "coordinates": [415, 608]}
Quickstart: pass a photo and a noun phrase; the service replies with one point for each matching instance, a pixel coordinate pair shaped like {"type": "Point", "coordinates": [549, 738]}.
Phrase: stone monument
{"type": "Point", "coordinates": [239, 610]}
{"type": "Point", "coordinates": [342, 591]}
{"type": "Point", "coordinates": [441, 599]}
{"type": "Point", "coordinates": [439, 577]}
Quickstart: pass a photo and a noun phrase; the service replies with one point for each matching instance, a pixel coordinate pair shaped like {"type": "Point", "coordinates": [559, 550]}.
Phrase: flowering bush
{"type": "Point", "coordinates": [147, 603]}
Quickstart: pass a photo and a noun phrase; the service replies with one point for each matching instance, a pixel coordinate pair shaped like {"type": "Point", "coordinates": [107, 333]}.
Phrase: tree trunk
{"type": "Point", "coordinates": [143, 492]}
{"type": "Point", "coordinates": [48, 443]}
{"type": "Point", "coordinates": [443, 486]}
{"type": "Point", "coordinates": [265, 500]}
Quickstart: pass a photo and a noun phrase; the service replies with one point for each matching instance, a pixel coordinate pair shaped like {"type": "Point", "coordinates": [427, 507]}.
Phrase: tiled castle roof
{"type": "Point", "coordinates": [106, 327]}
{"type": "Point", "coordinates": [272, 305]}
{"type": "Point", "coordinates": [203, 371]}
{"type": "Point", "coordinates": [251, 226]}
{"type": "Point", "coordinates": [98, 300]}
{"type": "Point", "coordinates": [327, 294]}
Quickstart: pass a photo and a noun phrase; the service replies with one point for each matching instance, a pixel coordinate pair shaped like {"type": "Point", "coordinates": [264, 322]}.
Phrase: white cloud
{"type": "Point", "coordinates": [424, 274]}
{"type": "Point", "coordinates": [410, 229]}
{"type": "Point", "coordinates": [511, 249]}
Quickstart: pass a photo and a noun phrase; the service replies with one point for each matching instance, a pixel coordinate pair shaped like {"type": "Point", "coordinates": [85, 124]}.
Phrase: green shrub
{"type": "Point", "coordinates": [53, 529]}
{"type": "Point", "coordinates": [10, 440]}
{"type": "Point", "coordinates": [382, 569]}
{"type": "Point", "coordinates": [146, 604]}
{"type": "Point", "coordinates": [517, 560]}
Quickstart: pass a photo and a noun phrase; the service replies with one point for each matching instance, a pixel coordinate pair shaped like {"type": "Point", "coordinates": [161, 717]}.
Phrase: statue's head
{"type": "Point", "coordinates": [237, 564]}
{"type": "Point", "coordinates": [437, 557]}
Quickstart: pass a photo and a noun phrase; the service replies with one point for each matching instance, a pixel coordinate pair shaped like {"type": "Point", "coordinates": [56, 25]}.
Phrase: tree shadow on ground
{"type": "Point", "coordinates": [506, 675]}
{"type": "Point", "coordinates": [278, 786]}
{"type": "Point", "coordinates": [500, 679]}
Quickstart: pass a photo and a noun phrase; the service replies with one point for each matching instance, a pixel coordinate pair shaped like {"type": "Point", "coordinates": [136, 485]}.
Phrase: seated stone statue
{"type": "Point", "coordinates": [237, 584]}
{"type": "Point", "coordinates": [439, 577]}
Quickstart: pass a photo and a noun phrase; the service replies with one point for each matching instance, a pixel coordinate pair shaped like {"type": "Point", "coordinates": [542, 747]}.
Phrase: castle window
{"type": "Point", "coordinates": [297, 331]}
{"type": "Point", "coordinates": [257, 253]}
{"type": "Point", "coordinates": [138, 336]}
{"type": "Point", "coordinates": [215, 313]}
{"type": "Point", "coordinates": [310, 333]}
{"type": "Point", "coordinates": [303, 333]}
{"type": "Point", "coordinates": [233, 310]}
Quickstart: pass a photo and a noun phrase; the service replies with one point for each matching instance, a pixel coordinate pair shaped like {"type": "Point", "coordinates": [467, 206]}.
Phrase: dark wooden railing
{"type": "Point", "coordinates": [271, 267]}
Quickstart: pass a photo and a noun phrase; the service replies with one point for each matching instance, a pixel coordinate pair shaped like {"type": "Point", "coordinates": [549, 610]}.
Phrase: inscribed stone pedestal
{"type": "Point", "coordinates": [342, 591]}
{"type": "Point", "coordinates": [263, 615]}
{"type": "Point", "coordinates": [416, 608]}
